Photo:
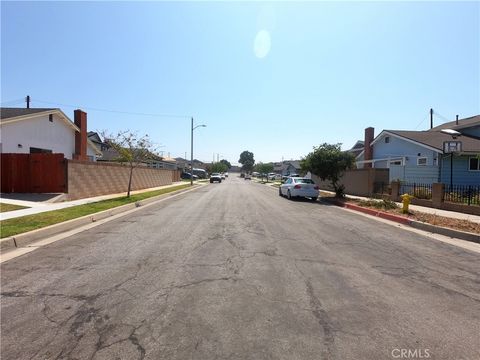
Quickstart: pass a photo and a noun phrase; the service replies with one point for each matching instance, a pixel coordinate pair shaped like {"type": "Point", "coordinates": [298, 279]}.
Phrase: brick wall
{"type": "Point", "coordinates": [87, 179]}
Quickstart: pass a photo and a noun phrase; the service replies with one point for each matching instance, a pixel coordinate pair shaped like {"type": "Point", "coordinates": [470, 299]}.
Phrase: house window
{"type": "Point", "coordinates": [396, 162]}
{"type": "Point", "coordinates": [474, 164]}
{"type": "Point", "coordinates": [34, 150]}
{"type": "Point", "coordinates": [387, 139]}
{"type": "Point", "coordinates": [50, 118]}
{"type": "Point", "coordinates": [422, 161]}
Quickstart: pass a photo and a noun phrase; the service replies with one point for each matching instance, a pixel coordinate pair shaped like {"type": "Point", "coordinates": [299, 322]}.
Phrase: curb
{"type": "Point", "coordinates": [24, 239]}
{"type": "Point", "coordinates": [405, 221]}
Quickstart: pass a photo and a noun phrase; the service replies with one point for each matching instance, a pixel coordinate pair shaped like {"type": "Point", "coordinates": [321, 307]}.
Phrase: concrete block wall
{"type": "Point", "coordinates": [358, 181]}
{"type": "Point", "coordinates": [87, 179]}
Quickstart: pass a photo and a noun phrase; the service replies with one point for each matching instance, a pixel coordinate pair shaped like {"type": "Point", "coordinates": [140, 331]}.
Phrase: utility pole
{"type": "Point", "coordinates": [191, 157]}
{"type": "Point", "coordinates": [191, 151]}
{"type": "Point", "coordinates": [431, 118]}
{"type": "Point", "coordinates": [27, 99]}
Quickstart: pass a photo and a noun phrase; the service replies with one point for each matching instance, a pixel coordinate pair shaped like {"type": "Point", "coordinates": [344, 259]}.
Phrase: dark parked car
{"type": "Point", "coordinates": [187, 175]}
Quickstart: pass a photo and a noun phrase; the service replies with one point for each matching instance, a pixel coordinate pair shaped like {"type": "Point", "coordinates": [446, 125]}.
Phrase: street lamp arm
{"type": "Point", "coordinates": [191, 149]}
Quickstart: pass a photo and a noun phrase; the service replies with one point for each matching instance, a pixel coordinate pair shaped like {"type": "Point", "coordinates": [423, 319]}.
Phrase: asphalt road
{"type": "Point", "coordinates": [233, 271]}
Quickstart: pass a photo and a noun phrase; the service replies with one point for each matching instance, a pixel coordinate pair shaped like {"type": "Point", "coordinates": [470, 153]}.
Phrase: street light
{"type": "Point", "coordinates": [191, 152]}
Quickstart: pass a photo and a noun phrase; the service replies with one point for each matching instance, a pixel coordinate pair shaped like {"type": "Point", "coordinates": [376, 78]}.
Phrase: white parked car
{"type": "Point", "coordinates": [299, 187]}
{"type": "Point", "coordinates": [215, 177]}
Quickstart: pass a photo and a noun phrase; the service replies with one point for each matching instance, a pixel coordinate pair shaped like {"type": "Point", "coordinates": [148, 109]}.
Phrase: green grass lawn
{"type": "Point", "coordinates": [9, 207]}
{"type": "Point", "coordinates": [31, 222]}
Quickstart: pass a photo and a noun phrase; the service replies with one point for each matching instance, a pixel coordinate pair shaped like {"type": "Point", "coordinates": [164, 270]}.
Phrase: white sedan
{"type": "Point", "coordinates": [299, 187]}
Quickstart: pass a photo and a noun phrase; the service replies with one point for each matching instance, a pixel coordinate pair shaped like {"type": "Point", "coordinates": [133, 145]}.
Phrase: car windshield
{"type": "Point", "coordinates": [304, 181]}
{"type": "Point", "coordinates": [215, 174]}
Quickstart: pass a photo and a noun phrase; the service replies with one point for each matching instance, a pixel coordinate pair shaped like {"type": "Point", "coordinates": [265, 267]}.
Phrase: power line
{"type": "Point", "coordinates": [115, 111]}
{"type": "Point", "coordinates": [421, 122]}
{"type": "Point", "coordinates": [13, 102]}
{"type": "Point", "coordinates": [442, 117]}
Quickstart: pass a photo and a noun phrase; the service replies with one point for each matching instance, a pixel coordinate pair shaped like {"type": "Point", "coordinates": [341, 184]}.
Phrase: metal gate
{"type": "Point", "coordinates": [33, 173]}
{"type": "Point", "coordinates": [396, 173]}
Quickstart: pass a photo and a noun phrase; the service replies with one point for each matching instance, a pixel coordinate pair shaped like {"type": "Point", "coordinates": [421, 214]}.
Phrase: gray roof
{"type": "Point", "coordinates": [360, 144]}
{"type": "Point", "coordinates": [462, 124]}
{"type": "Point", "coordinates": [109, 155]}
{"type": "Point", "coordinates": [6, 113]}
{"type": "Point", "coordinates": [435, 139]}
{"type": "Point", "coordinates": [294, 163]}
{"type": "Point", "coordinates": [94, 137]}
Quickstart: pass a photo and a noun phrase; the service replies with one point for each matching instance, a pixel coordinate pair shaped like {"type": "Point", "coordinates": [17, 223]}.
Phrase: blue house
{"type": "Point", "coordinates": [419, 156]}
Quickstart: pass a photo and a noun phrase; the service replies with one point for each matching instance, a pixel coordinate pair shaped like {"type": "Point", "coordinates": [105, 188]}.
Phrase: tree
{"type": "Point", "coordinates": [328, 162]}
{"type": "Point", "coordinates": [264, 168]}
{"type": "Point", "coordinates": [227, 163]}
{"type": "Point", "coordinates": [247, 160]}
{"type": "Point", "coordinates": [218, 167]}
{"type": "Point", "coordinates": [132, 149]}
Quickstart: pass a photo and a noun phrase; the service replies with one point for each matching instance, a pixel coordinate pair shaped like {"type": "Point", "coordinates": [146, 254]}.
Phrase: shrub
{"type": "Point", "coordinates": [423, 193]}
{"type": "Point", "coordinates": [385, 204]}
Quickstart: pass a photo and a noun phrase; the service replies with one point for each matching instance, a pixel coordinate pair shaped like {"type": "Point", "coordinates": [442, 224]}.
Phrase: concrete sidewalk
{"type": "Point", "coordinates": [422, 209]}
{"type": "Point", "coordinates": [39, 206]}
{"type": "Point", "coordinates": [427, 210]}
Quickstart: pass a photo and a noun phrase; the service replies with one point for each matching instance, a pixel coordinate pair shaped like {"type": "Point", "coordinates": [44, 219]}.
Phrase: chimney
{"type": "Point", "coordinates": [456, 121]}
{"type": "Point", "coordinates": [368, 152]}
{"type": "Point", "coordinates": [80, 119]}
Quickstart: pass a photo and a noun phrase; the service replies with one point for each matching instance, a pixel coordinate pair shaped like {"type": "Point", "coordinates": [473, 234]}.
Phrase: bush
{"type": "Point", "coordinates": [423, 193]}
{"type": "Point", "coordinates": [385, 204]}
{"type": "Point", "coordinates": [389, 204]}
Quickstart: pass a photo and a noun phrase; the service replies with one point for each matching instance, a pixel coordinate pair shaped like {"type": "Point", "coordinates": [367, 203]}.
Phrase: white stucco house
{"type": "Point", "coordinates": [42, 130]}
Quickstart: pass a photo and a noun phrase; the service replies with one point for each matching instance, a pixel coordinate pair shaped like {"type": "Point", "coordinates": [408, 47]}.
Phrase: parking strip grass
{"type": "Point", "coordinates": [10, 207]}
{"type": "Point", "coordinates": [26, 223]}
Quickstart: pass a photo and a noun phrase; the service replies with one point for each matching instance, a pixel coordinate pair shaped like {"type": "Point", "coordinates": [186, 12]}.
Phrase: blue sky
{"type": "Point", "coordinates": [318, 72]}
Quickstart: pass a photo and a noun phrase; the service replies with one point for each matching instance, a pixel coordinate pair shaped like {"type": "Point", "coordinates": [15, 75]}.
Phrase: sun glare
{"type": "Point", "coordinates": [262, 44]}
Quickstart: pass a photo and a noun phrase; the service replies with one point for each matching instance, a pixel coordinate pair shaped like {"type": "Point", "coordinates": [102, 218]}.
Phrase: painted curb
{"type": "Point", "coordinates": [405, 221]}
{"type": "Point", "coordinates": [24, 239]}
{"type": "Point", "coordinates": [380, 214]}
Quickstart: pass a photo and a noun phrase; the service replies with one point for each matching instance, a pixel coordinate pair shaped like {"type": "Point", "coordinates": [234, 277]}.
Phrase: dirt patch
{"type": "Point", "coordinates": [390, 207]}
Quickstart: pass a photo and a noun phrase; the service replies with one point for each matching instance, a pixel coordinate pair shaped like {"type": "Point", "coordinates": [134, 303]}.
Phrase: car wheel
{"type": "Point", "coordinates": [280, 192]}
{"type": "Point", "coordinates": [314, 198]}
{"type": "Point", "coordinates": [211, 181]}
{"type": "Point", "coordinates": [289, 196]}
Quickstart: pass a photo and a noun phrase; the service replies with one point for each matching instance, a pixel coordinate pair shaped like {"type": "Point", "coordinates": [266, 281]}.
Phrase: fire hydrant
{"type": "Point", "coordinates": [406, 198]}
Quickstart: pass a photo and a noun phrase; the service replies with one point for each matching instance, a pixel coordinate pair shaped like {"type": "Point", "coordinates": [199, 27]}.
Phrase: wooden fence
{"type": "Point", "coordinates": [33, 173]}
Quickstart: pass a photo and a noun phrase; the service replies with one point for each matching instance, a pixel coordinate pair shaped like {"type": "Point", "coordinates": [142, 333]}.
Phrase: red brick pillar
{"type": "Point", "coordinates": [368, 150]}
{"type": "Point", "coordinates": [395, 185]}
{"type": "Point", "coordinates": [80, 119]}
{"type": "Point", "coordinates": [437, 194]}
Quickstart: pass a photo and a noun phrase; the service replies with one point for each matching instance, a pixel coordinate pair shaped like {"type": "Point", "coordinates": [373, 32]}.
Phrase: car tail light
{"type": "Point", "coordinates": [316, 187]}
{"type": "Point", "coordinates": [297, 187]}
